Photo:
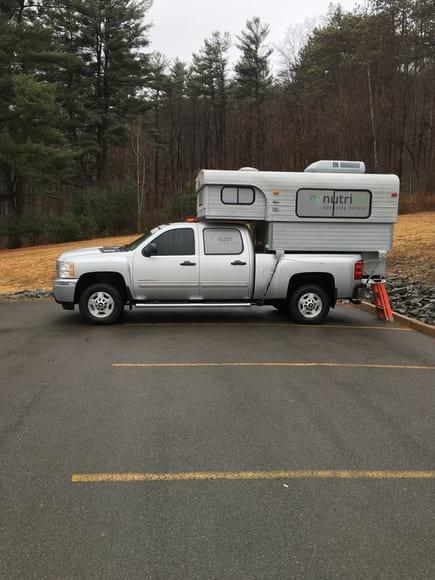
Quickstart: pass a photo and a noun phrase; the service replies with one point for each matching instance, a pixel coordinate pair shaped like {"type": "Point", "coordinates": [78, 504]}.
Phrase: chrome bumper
{"type": "Point", "coordinates": [64, 289]}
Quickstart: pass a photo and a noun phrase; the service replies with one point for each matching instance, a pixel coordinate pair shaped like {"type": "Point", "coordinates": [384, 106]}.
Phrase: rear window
{"type": "Point", "coordinates": [222, 241]}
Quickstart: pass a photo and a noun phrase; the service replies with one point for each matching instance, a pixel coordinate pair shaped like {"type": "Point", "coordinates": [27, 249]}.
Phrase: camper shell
{"type": "Point", "coordinates": [333, 206]}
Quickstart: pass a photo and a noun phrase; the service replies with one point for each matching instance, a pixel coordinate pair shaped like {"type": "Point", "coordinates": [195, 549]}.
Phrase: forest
{"type": "Point", "coordinates": [101, 135]}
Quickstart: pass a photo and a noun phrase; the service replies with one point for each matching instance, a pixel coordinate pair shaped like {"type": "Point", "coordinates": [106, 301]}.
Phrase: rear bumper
{"type": "Point", "coordinates": [64, 290]}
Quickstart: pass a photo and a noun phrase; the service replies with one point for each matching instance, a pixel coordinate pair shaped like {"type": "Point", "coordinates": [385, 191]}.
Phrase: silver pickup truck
{"type": "Point", "coordinates": [203, 264]}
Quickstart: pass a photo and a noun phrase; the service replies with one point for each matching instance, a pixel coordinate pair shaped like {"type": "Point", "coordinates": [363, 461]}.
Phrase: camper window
{"type": "Point", "coordinates": [222, 241]}
{"type": "Point", "coordinates": [328, 203]}
{"type": "Point", "coordinates": [237, 195]}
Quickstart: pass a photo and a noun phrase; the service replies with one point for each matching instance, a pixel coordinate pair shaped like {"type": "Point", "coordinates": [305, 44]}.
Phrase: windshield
{"type": "Point", "coordinates": [135, 243]}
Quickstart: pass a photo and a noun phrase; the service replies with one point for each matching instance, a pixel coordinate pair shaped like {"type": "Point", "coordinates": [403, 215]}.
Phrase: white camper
{"type": "Point", "coordinates": [332, 206]}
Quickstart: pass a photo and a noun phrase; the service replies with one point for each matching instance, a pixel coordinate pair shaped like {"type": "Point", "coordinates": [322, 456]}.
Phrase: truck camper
{"type": "Point", "coordinates": [295, 240]}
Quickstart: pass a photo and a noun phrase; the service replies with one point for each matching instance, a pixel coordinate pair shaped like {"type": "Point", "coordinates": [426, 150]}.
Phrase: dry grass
{"type": "Point", "coordinates": [413, 253]}
{"type": "Point", "coordinates": [32, 268]}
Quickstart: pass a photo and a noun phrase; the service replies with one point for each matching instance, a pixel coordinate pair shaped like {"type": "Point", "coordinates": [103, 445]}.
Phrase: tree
{"type": "Point", "coordinates": [33, 151]}
{"type": "Point", "coordinates": [253, 82]}
{"type": "Point", "coordinates": [71, 78]}
{"type": "Point", "coordinates": [253, 77]}
{"type": "Point", "coordinates": [112, 39]}
{"type": "Point", "coordinates": [208, 81]}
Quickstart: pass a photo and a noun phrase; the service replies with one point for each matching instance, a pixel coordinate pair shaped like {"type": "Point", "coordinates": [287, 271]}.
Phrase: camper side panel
{"type": "Point", "coordinates": [333, 237]}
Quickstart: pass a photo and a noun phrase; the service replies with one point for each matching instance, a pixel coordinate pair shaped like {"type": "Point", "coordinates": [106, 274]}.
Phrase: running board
{"type": "Point", "coordinates": [195, 305]}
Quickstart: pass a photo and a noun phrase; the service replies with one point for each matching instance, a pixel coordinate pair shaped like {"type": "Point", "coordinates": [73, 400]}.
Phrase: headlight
{"type": "Point", "coordinates": [65, 269]}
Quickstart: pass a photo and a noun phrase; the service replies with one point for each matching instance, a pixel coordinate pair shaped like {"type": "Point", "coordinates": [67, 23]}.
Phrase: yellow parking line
{"type": "Point", "coordinates": [249, 475]}
{"type": "Point", "coordinates": [270, 324]}
{"type": "Point", "coordinates": [273, 364]}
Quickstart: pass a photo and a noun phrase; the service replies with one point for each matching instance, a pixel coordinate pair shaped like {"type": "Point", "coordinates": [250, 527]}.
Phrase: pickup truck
{"type": "Point", "coordinates": [199, 265]}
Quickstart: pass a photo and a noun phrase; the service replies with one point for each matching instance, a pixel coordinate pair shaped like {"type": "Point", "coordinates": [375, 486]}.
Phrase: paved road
{"type": "Point", "coordinates": [65, 410]}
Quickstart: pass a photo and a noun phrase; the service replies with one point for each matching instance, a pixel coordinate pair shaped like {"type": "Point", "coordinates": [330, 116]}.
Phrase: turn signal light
{"type": "Point", "coordinates": [358, 271]}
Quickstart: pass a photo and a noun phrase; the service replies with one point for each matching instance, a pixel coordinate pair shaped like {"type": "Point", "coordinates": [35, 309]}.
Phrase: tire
{"type": "Point", "coordinates": [309, 304]}
{"type": "Point", "coordinates": [101, 304]}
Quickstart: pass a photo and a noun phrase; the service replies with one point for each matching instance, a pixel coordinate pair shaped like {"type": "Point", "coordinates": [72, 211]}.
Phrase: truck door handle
{"type": "Point", "coordinates": [187, 263]}
{"type": "Point", "coordinates": [238, 263]}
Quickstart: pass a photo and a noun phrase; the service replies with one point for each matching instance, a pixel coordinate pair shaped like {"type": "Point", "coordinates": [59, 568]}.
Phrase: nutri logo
{"type": "Point", "coordinates": [330, 203]}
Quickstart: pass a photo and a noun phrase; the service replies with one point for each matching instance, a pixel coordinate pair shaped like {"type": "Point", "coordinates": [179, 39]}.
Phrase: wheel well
{"type": "Point", "coordinates": [325, 280]}
{"type": "Point", "coordinates": [113, 278]}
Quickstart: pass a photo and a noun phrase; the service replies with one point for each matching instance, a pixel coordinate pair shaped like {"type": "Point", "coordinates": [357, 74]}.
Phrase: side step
{"type": "Point", "coordinates": [195, 305]}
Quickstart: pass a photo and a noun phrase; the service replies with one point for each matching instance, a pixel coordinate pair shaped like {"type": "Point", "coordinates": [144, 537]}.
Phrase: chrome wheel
{"type": "Point", "coordinates": [310, 305]}
{"type": "Point", "coordinates": [101, 304]}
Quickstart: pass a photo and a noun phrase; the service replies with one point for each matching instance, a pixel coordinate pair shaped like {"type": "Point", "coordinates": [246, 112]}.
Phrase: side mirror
{"type": "Point", "coordinates": [150, 250]}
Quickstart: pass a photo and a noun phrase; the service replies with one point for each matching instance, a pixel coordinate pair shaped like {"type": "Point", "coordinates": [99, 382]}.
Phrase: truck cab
{"type": "Point", "coordinates": [193, 262]}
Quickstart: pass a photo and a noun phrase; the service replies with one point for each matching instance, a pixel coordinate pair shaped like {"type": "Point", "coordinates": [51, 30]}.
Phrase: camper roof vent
{"type": "Point", "coordinates": [248, 169]}
{"type": "Point", "coordinates": [336, 167]}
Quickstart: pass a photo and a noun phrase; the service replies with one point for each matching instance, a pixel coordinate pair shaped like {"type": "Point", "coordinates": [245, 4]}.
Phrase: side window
{"type": "Point", "coordinates": [222, 241]}
{"type": "Point", "coordinates": [328, 203]}
{"type": "Point", "coordinates": [231, 195]}
{"type": "Point", "coordinates": [178, 242]}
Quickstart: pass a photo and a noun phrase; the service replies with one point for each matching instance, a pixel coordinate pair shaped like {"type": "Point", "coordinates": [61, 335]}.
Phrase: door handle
{"type": "Point", "coordinates": [238, 263]}
{"type": "Point", "coordinates": [187, 263]}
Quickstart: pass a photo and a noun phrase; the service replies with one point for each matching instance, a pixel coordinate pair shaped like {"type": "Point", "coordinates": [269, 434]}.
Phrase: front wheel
{"type": "Point", "coordinates": [101, 304]}
{"type": "Point", "coordinates": [309, 304]}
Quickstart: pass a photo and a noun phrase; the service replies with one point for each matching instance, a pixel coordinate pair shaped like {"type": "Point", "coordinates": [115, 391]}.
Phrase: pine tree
{"type": "Point", "coordinates": [253, 77]}
{"type": "Point", "coordinates": [253, 82]}
{"type": "Point", "coordinates": [33, 150]}
{"type": "Point", "coordinates": [113, 36]}
{"type": "Point", "coordinates": [72, 77]}
{"type": "Point", "coordinates": [209, 81]}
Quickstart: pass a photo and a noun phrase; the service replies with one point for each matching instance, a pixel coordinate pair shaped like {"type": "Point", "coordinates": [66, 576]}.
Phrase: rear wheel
{"type": "Point", "coordinates": [309, 304]}
{"type": "Point", "coordinates": [101, 304]}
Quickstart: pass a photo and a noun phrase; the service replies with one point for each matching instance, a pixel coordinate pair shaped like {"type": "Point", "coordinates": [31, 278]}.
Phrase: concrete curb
{"type": "Point", "coordinates": [428, 329]}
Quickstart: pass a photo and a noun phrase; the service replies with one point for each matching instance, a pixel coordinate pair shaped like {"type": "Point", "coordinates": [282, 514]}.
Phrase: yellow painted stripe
{"type": "Point", "coordinates": [249, 475]}
{"type": "Point", "coordinates": [270, 324]}
{"type": "Point", "coordinates": [272, 364]}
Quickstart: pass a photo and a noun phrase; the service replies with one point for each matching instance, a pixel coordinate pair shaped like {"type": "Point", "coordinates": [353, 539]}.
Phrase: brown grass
{"type": "Point", "coordinates": [413, 253]}
{"type": "Point", "coordinates": [33, 268]}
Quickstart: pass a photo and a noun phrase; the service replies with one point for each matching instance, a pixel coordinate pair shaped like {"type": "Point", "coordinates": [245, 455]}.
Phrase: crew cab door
{"type": "Point", "coordinates": [226, 264]}
{"type": "Point", "coordinates": [172, 273]}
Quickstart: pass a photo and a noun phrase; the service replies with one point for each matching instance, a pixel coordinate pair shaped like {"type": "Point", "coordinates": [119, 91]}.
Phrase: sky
{"type": "Point", "coordinates": [180, 26]}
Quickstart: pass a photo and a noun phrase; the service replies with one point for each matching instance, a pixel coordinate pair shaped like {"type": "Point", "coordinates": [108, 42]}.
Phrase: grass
{"type": "Point", "coordinates": [33, 268]}
{"type": "Point", "coordinates": [413, 254]}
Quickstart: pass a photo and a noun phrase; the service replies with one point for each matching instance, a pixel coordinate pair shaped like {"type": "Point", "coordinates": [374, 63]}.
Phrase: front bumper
{"type": "Point", "coordinates": [64, 290]}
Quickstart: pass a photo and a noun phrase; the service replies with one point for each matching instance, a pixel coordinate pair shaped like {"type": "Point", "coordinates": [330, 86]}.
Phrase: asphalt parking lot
{"type": "Point", "coordinates": [215, 444]}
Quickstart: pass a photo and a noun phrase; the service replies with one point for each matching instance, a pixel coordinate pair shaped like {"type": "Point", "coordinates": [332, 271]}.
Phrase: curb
{"type": "Point", "coordinates": [428, 329]}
